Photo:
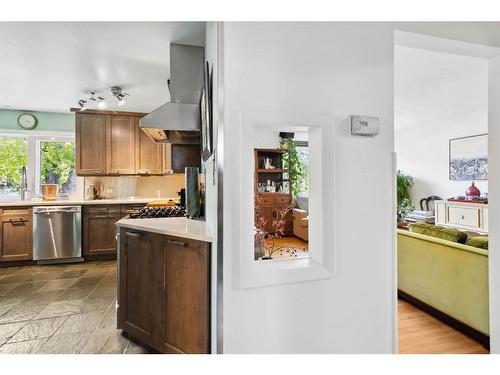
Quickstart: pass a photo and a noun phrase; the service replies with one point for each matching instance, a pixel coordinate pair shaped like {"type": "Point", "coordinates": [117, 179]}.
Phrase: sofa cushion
{"type": "Point", "coordinates": [449, 234]}
{"type": "Point", "coordinates": [478, 241]}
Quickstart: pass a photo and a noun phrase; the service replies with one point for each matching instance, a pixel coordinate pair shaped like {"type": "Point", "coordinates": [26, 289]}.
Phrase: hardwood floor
{"type": "Point", "coordinates": [421, 333]}
{"type": "Point", "coordinates": [299, 247]}
{"type": "Point", "coordinates": [61, 309]}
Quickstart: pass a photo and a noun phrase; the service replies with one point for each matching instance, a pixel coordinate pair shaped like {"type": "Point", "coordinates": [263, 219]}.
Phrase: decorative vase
{"type": "Point", "coordinates": [472, 191]}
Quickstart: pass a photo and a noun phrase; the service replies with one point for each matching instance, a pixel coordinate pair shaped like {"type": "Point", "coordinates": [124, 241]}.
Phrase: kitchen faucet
{"type": "Point", "coordinates": [24, 184]}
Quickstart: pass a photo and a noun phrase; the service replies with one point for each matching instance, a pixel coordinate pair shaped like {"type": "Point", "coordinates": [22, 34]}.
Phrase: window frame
{"type": "Point", "coordinates": [38, 161]}
{"type": "Point", "coordinates": [33, 139]}
{"type": "Point", "coordinates": [14, 135]}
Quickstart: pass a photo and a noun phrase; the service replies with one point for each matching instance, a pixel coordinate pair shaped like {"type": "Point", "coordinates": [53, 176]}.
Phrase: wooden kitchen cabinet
{"type": "Point", "coordinates": [98, 240]}
{"type": "Point", "coordinates": [140, 286]}
{"type": "Point", "coordinates": [186, 297]}
{"type": "Point", "coordinates": [90, 139]}
{"type": "Point", "coordinates": [120, 145]}
{"type": "Point", "coordinates": [16, 234]}
{"type": "Point", "coordinates": [149, 154]}
{"type": "Point", "coordinates": [111, 143]}
{"type": "Point", "coordinates": [164, 291]}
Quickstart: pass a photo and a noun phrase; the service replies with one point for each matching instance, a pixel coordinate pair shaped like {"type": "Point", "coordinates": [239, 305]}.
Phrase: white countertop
{"type": "Point", "coordinates": [171, 226]}
{"type": "Point", "coordinates": [76, 202]}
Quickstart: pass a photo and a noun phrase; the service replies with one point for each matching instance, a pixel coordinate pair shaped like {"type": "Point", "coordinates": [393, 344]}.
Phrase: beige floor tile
{"type": "Point", "coordinates": [133, 348]}
{"type": "Point", "coordinates": [5, 288]}
{"type": "Point", "coordinates": [40, 298]}
{"type": "Point", "coordinates": [105, 341]}
{"type": "Point", "coordinates": [23, 347]}
{"type": "Point", "coordinates": [11, 300]}
{"type": "Point", "coordinates": [72, 274]}
{"type": "Point", "coordinates": [21, 313]}
{"type": "Point", "coordinates": [38, 329]}
{"type": "Point", "coordinates": [102, 304]}
{"type": "Point", "coordinates": [70, 309]}
{"type": "Point", "coordinates": [86, 282]}
{"type": "Point", "coordinates": [9, 330]}
{"type": "Point", "coordinates": [103, 291]}
{"type": "Point", "coordinates": [8, 271]}
{"type": "Point", "coordinates": [50, 275]}
{"type": "Point", "coordinates": [61, 308]}
{"type": "Point", "coordinates": [12, 279]}
{"type": "Point", "coordinates": [87, 322]}
{"type": "Point", "coordinates": [109, 319]}
{"type": "Point", "coordinates": [26, 287]}
{"type": "Point", "coordinates": [74, 293]}
{"type": "Point", "coordinates": [65, 344]}
{"type": "Point", "coordinates": [4, 309]}
{"type": "Point", "coordinates": [60, 284]}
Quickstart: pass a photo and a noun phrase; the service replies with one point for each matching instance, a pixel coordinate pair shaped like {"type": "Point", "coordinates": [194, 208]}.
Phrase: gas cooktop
{"type": "Point", "coordinates": [154, 212]}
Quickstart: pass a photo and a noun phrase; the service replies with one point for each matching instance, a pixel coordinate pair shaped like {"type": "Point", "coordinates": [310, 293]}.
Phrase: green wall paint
{"type": "Point", "coordinates": [49, 121]}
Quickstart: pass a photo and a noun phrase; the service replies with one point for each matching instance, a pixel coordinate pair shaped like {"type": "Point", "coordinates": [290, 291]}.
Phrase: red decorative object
{"type": "Point", "coordinates": [472, 191]}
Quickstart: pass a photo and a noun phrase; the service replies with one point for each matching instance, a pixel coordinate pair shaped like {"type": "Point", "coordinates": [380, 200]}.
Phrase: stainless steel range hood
{"type": "Point", "coordinates": [179, 120]}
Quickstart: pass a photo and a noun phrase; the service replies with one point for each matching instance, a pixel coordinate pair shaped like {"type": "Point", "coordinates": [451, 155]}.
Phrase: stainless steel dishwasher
{"type": "Point", "coordinates": [57, 234]}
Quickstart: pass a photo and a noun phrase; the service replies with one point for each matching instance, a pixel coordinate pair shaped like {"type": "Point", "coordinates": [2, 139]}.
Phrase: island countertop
{"type": "Point", "coordinates": [172, 226]}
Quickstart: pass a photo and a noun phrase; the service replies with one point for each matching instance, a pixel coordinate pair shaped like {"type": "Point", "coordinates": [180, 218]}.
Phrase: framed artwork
{"type": "Point", "coordinates": [206, 116]}
{"type": "Point", "coordinates": [469, 158]}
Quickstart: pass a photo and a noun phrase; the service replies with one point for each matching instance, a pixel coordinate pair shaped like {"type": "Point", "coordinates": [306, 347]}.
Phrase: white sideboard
{"type": "Point", "coordinates": [462, 215]}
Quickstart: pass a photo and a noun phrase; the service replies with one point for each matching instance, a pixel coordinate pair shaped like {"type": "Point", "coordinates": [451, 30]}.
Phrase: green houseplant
{"type": "Point", "coordinates": [297, 172]}
{"type": "Point", "coordinates": [404, 183]}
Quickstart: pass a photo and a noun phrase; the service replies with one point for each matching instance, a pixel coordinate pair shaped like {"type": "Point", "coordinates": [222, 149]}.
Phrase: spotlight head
{"type": "Point", "coordinates": [119, 95]}
{"type": "Point", "coordinates": [83, 105]}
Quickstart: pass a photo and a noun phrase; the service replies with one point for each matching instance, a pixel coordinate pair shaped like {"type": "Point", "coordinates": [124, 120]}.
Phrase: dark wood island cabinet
{"type": "Point", "coordinates": [164, 291]}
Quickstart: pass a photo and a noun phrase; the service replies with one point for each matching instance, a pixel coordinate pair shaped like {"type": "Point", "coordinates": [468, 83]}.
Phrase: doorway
{"type": "Point", "coordinates": [441, 96]}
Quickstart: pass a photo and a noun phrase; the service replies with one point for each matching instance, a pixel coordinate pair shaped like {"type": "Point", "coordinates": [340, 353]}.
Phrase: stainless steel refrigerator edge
{"type": "Point", "coordinates": [57, 234]}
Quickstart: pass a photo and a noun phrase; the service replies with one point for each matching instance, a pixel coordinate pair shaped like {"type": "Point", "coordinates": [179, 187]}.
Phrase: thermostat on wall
{"type": "Point", "coordinates": [364, 125]}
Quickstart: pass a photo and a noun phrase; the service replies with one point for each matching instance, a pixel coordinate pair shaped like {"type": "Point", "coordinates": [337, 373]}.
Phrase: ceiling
{"type": "Point", "coordinates": [49, 66]}
{"type": "Point", "coordinates": [433, 87]}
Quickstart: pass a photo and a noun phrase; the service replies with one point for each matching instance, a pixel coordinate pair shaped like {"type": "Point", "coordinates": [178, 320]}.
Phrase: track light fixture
{"type": "Point", "coordinates": [100, 101]}
{"type": "Point", "coordinates": [118, 93]}
{"type": "Point", "coordinates": [83, 104]}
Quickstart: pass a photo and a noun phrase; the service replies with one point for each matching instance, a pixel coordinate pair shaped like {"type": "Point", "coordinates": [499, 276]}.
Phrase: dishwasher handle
{"type": "Point", "coordinates": [50, 211]}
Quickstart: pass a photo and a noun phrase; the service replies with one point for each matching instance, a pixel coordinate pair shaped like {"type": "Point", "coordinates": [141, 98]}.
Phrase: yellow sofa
{"type": "Point", "coordinates": [447, 276]}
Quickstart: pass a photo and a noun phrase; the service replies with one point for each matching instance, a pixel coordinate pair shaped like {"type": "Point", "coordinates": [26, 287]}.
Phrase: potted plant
{"type": "Point", "coordinates": [292, 162]}
{"type": "Point", "coordinates": [267, 240]}
{"type": "Point", "coordinates": [404, 183]}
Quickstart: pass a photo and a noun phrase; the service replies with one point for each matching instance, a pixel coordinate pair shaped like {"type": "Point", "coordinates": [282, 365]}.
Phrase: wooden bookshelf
{"type": "Point", "coordinates": [268, 204]}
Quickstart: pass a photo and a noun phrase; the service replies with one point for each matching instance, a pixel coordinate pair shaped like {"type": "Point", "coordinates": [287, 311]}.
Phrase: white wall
{"type": "Point", "coordinates": [335, 69]}
{"type": "Point", "coordinates": [438, 96]}
{"type": "Point", "coordinates": [211, 181]}
{"type": "Point", "coordinates": [494, 202]}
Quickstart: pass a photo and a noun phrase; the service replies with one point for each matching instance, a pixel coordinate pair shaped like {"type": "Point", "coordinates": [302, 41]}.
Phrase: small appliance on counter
{"type": "Point", "coordinates": [49, 192]}
{"type": "Point", "coordinates": [91, 192]}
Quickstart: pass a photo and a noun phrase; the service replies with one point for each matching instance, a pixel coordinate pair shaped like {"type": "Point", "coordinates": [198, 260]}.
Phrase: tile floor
{"type": "Point", "coordinates": [61, 309]}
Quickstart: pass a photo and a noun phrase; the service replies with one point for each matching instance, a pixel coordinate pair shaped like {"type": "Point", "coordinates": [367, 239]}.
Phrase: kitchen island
{"type": "Point", "coordinates": [164, 283]}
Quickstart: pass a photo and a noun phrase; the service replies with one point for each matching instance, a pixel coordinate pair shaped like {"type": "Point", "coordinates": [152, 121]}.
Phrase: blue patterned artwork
{"type": "Point", "coordinates": [469, 158]}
